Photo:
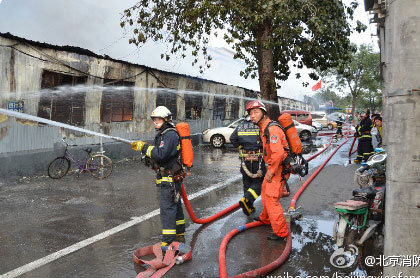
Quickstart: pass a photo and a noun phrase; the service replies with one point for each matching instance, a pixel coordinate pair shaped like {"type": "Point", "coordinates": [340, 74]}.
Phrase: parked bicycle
{"type": "Point", "coordinates": [97, 164]}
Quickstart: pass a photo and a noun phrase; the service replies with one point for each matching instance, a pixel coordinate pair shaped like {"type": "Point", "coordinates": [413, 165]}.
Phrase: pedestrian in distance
{"type": "Point", "coordinates": [374, 131]}
{"type": "Point", "coordinates": [356, 119]}
{"type": "Point", "coordinates": [166, 160]}
{"type": "Point", "coordinates": [363, 130]}
{"type": "Point", "coordinates": [246, 137]}
{"type": "Point", "coordinates": [373, 117]}
{"type": "Point", "coordinates": [274, 155]}
{"type": "Point", "coordinates": [378, 124]}
{"type": "Point", "coordinates": [339, 122]}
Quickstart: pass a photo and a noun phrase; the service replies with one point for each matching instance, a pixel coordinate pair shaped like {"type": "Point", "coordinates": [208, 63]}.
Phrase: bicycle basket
{"type": "Point", "coordinates": [59, 149]}
{"type": "Point", "coordinates": [362, 179]}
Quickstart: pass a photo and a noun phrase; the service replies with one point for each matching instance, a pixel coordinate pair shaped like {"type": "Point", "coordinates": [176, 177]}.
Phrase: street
{"type": "Point", "coordinates": [41, 216]}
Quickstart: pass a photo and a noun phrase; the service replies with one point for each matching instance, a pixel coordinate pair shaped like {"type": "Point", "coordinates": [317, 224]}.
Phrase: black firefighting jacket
{"type": "Point", "coordinates": [364, 128]}
{"type": "Point", "coordinates": [166, 150]}
{"type": "Point", "coordinates": [247, 135]}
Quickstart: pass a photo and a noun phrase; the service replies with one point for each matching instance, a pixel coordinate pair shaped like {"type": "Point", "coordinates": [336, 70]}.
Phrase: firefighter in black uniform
{"type": "Point", "coordinates": [339, 126]}
{"type": "Point", "coordinates": [365, 148]}
{"type": "Point", "coordinates": [246, 136]}
{"type": "Point", "coordinates": [165, 154]}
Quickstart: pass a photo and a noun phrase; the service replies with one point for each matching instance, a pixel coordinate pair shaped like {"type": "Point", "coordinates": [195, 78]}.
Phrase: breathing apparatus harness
{"type": "Point", "coordinates": [294, 162]}
{"type": "Point", "coordinates": [259, 172]}
{"type": "Point", "coordinates": [173, 169]}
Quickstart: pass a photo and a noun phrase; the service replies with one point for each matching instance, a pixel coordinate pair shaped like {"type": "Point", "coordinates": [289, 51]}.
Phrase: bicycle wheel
{"type": "Point", "coordinates": [58, 168]}
{"type": "Point", "coordinates": [99, 166]}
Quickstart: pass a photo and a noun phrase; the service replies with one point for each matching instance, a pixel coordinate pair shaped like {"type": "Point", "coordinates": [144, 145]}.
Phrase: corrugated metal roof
{"type": "Point", "coordinates": [83, 51]}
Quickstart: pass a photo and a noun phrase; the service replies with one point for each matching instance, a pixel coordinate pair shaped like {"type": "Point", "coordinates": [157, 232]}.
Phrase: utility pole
{"type": "Point", "coordinates": [399, 40]}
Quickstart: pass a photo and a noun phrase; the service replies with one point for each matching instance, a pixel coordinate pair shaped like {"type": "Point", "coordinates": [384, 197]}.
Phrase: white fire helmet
{"type": "Point", "coordinates": [162, 112]}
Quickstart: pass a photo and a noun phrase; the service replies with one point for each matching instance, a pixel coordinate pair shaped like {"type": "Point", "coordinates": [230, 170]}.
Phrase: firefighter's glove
{"type": "Point", "coordinates": [138, 145]}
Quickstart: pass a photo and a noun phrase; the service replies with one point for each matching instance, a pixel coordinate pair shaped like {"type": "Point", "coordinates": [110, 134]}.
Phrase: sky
{"type": "Point", "coordinates": [95, 25]}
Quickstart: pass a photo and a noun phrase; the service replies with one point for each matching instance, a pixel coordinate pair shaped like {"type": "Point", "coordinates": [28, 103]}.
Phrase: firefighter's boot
{"type": "Point", "coordinates": [247, 206]}
{"type": "Point", "coordinates": [357, 161]}
{"type": "Point", "coordinates": [180, 238]}
{"type": "Point", "coordinates": [273, 236]}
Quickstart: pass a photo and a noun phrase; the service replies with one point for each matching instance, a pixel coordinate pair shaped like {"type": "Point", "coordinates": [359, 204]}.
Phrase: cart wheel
{"type": "Point", "coordinates": [99, 166]}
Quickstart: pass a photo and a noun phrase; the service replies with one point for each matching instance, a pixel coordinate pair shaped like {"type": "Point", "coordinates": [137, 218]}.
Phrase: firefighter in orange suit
{"type": "Point", "coordinates": [274, 182]}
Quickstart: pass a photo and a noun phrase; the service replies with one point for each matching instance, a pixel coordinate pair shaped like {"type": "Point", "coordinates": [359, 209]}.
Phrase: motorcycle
{"type": "Point", "coordinates": [372, 171]}
{"type": "Point", "coordinates": [363, 215]}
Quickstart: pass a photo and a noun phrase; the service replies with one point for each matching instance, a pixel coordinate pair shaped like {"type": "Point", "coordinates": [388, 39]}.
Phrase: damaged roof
{"type": "Point", "coordinates": [83, 51]}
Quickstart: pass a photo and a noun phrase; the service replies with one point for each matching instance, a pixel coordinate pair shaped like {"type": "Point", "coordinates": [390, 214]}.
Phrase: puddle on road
{"type": "Point", "coordinates": [313, 245]}
{"type": "Point", "coordinates": [312, 237]}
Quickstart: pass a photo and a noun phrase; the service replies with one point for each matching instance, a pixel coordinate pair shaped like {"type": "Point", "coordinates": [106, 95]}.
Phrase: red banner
{"type": "Point", "coordinates": [317, 86]}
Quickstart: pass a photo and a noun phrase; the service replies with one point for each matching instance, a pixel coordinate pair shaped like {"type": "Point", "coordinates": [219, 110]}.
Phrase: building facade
{"type": "Point", "coordinates": [78, 87]}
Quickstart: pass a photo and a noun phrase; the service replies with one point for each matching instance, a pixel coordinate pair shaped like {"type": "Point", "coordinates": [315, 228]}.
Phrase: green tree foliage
{"type": "Point", "coordinates": [371, 99]}
{"type": "Point", "coordinates": [328, 94]}
{"type": "Point", "coordinates": [266, 34]}
{"type": "Point", "coordinates": [360, 75]}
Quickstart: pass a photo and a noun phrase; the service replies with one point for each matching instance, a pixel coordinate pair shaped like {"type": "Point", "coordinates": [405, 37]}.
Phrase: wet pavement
{"type": "Point", "coordinates": [40, 216]}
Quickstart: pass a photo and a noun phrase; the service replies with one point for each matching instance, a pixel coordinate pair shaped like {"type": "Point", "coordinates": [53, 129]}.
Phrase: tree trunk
{"type": "Point", "coordinates": [372, 105]}
{"type": "Point", "coordinates": [266, 69]}
{"type": "Point", "coordinates": [353, 104]}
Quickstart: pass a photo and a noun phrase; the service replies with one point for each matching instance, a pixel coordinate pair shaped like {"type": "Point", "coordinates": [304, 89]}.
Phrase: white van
{"type": "Point", "coordinates": [320, 117]}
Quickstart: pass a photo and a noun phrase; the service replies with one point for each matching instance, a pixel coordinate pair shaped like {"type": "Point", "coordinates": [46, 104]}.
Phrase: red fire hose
{"type": "Point", "coordinates": [209, 219]}
{"type": "Point", "coordinates": [259, 271]}
{"type": "Point", "coordinates": [309, 180]}
{"type": "Point", "coordinates": [275, 264]}
{"type": "Point", "coordinates": [222, 252]}
{"type": "Point", "coordinates": [229, 209]}
{"type": "Point", "coordinates": [321, 151]}
{"type": "Point", "coordinates": [351, 148]}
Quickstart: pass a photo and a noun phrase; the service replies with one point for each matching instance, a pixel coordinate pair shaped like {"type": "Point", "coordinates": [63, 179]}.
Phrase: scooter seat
{"type": "Point", "coordinates": [366, 192]}
{"type": "Point", "coordinates": [351, 205]}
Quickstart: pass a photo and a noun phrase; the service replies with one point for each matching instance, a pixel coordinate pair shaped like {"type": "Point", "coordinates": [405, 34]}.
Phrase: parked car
{"type": "Point", "coordinates": [316, 125]}
{"type": "Point", "coordinates": [320, 117]}
{"type": "Point", "coordinates": [302, 116]}
{"type": "Point", "coordinates": [219, 136]}
{"type": "Point", "coordinates": [305, 132]}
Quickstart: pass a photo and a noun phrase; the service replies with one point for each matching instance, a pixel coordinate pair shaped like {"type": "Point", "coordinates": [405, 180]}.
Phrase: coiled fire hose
{"type": "Point", "coordinates": [275, 264]}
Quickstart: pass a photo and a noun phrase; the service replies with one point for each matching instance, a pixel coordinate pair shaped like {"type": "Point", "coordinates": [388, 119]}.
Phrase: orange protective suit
{"type": "Point", "coordinates": [274, 155]}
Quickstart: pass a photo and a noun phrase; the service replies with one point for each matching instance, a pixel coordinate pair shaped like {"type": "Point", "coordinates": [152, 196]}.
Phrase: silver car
{"type": "Point", "coordinates": [305, 132]}
{"type": "Point", "coordinates": [220, 136]}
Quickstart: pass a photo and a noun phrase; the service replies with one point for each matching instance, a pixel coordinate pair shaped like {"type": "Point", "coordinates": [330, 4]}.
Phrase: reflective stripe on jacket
{"type": "Point", "coordinates": [166, 148]}
{"type": "Point", "coordinates": [247, 135]}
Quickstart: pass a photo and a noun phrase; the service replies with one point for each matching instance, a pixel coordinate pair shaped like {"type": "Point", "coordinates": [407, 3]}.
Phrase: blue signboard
{"type": "Point", "coordinates": [15, 105]}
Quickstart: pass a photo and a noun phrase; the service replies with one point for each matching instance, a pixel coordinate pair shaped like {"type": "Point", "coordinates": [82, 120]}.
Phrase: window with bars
{"type": "Point", "coordinates": [61, 105]}
{"type": "Point", "coordinates": [193, 106]}
{"type": "Point", "coordinates": [219, 105]}
{"type": "Point", "coordinates": [117, 101]}
{"type": "Point", "coordinates": [168, 99]}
